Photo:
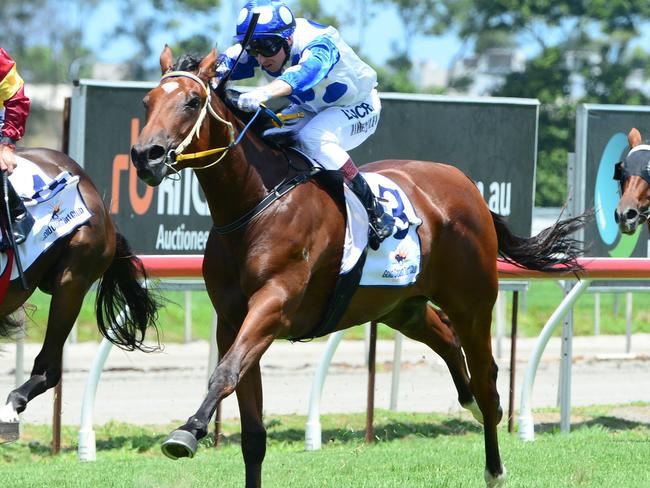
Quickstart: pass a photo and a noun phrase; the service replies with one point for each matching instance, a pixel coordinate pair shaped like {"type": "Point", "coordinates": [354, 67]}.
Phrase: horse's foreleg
{"type": "Point", "coordinates": [249, 398]}
{"type": "Point", "coordinates": [253, 432]}
{"type": "Point", "coordinates": [256, 334]}
{"type": "Point", "coordinates": [46, 372]}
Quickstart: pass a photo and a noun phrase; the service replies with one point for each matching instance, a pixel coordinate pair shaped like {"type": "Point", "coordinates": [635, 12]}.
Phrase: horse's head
{"type": "Point", "coordinates": [175, 117]}
{"type": "Point", "coordinates": [633, 173]}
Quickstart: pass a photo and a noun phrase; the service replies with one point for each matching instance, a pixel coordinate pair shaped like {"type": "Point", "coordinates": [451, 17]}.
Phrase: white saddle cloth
{"type": "Point", "coordinates": [55, 204]}
{"type": "Point", "coordinates": [397, 261]}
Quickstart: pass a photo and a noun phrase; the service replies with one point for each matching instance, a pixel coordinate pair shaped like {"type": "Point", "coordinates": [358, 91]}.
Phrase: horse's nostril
{"type": "Point", "coordinates": [156, 152]}
{"type": "Point", "coordinates": [616, 218]}
{"type": "Point", "coordinates": [631, 214]}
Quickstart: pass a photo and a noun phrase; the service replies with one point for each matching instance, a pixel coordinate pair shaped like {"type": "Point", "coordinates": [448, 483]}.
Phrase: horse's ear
{"type": "Point", "coordinates": [207, 66]}
{"type": "Point", "coordinates": [166, 60]}
{"type": "Point", "coordinates": [634, 137]}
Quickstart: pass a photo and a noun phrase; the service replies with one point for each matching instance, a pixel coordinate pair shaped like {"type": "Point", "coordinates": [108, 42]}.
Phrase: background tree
{"type": "Point", "coordinates": [585, 54]}
{"type": "Point", "coordinates": [195, 30]}
{"type": "Point", "coordinates": [312, 10]}
{"type": "Point", "coordinates": [40, 36]}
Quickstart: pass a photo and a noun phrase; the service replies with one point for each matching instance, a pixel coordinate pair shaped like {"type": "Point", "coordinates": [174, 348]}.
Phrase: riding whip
{"type": "Point", "coordinates": [244, 44]}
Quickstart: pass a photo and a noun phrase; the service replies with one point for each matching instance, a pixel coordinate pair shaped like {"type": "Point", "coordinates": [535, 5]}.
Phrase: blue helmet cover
{"type": "Point", "coordinates": [276, 19]}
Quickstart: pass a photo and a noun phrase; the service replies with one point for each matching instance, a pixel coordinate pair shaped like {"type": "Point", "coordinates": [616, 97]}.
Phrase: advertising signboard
{"type": "Point", "coordinates": [601, 142]}
{"type": "Point", "coordinates": [493, 140]}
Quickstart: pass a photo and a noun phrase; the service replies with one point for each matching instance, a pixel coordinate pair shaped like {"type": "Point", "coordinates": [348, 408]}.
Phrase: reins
{"type": "Point", "coordinates": [276, 193]}
{"type": "Point", "coordinates": [177, 154]}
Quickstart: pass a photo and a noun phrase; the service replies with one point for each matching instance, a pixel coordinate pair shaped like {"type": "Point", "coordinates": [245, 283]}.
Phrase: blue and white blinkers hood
{"type": "Point", "coordinates": [636, 163]}
{"type": "Point", "coordinates": [275, 20]}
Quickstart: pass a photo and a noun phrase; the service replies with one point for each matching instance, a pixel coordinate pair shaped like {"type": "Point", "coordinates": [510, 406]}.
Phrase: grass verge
{"type": "Point", "coordinates": [609, 446]}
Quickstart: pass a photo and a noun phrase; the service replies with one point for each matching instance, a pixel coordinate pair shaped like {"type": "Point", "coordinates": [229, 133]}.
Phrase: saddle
{"type": "Point", "coordinates": [16, 220]}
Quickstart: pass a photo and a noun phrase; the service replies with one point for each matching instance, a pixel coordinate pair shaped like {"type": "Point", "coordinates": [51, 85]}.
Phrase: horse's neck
{"type": "Point", "coordinates": [237, 183]}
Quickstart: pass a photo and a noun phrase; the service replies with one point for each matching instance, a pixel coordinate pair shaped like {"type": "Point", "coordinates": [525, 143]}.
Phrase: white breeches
{"type": "Point", "coordinates": [327, 135]}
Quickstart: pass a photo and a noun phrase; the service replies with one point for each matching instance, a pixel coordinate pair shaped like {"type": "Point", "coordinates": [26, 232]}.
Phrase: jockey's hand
{"type": "Point", "coordinates": [7, 159]}
{"type": "Point", "coordinates": [250, 101]}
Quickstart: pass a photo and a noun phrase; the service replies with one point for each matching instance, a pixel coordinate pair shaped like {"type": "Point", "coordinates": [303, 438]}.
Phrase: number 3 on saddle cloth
{"type": "Point", "coordinates": [395, 263]}
{"type": "Point", "coordinates": [57, 208]}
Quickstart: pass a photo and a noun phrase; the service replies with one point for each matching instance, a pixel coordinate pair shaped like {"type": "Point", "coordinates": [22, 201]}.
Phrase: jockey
{"type": "Point", "coordinates": [323, 78]}
{"type": "Point", "coordinates": [12, 127]}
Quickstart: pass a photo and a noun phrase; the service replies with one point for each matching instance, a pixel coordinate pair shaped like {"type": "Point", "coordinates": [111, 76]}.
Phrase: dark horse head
{"type": "Point", "coordinates": [633, 174]}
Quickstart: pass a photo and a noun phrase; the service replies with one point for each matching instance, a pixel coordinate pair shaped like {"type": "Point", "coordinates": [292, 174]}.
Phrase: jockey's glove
{"type": "Point", "coordinates": [250, 101]}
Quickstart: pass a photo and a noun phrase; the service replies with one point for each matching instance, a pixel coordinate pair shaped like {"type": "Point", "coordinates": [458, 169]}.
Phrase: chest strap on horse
{"type": "Point", "coordinates": [278, 192]}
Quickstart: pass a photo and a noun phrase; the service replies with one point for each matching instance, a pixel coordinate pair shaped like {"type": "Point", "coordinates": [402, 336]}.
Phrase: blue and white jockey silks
{"type": "Point", "coordinates": [331, 85]}
{"type": "Point", "coordinates": [322, 69]}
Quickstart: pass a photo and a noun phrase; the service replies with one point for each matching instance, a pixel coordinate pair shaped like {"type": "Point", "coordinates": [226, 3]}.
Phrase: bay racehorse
{"type": "Point", "coordinates": [271, 275]}
{"type": "Point", "coordinates": [66, 271]}
{"type": "Point", "coordinates": [633, 174]}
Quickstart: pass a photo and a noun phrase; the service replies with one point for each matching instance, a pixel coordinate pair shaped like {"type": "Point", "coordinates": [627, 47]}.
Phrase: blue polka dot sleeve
{"type": "Point", "coordinates": [317, 60]}
{"type": "Point", "coordinates": [244, 69]}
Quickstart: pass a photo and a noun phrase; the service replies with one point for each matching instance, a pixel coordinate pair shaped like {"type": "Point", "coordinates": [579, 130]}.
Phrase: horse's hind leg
{"type": "Point", "coordinates": [420, 321]}
{"type": "Point", "coordinates": [64, 308]}
{"type": "Point", "coordinates": [473, 328]}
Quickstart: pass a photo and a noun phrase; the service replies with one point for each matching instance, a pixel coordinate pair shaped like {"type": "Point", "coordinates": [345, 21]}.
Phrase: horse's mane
{"type": "Point", "coordinates": [188, 62]}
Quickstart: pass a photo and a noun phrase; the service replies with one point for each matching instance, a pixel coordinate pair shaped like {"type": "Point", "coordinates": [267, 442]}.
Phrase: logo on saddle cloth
{"type": "Point", "coordinates": [402, 265]}
{"type": "Point", "coordinates": [60, 215]}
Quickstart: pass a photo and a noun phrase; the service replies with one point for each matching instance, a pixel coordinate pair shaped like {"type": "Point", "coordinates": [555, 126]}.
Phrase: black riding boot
{"type": "Point", "coordinates": [381, 223]}
{"type": "Point", "coordinates": [22, 220]}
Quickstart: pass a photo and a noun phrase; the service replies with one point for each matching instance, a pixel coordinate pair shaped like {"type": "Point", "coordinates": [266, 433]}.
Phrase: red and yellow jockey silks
{"type": "Point", "coordinates": [12, 96]}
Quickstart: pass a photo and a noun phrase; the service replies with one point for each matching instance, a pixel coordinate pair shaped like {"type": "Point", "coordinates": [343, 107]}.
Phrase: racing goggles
{"type": "Point", "coordinates": [265, 46]}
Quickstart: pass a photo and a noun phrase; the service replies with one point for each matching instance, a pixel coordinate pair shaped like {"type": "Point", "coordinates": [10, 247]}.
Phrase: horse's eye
{"type": "Point", "coordinates": [194, 103]}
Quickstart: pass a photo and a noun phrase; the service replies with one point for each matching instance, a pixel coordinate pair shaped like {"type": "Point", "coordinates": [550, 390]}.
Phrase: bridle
{"type": "Point", "coordinates": [635, 163]}
{"type": "Point", "coordinates": [176, 155]}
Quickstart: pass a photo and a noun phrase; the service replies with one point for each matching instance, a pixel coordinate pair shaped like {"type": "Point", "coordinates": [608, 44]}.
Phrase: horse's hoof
{"type": "Point", "coordinates": [8, 414]}
{"type": "Point", "coordinates": [180, 443]}
{"type": "Point", "coordinates": [9, 431]}
{"type": "Point", "coordinates": [495, 481]}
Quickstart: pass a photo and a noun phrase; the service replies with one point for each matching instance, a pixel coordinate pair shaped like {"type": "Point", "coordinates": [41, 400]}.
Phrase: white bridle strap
{"type": "Point", "coordinates": [207, 106]}
{"type": "Point", "coordinates": [639, 147]}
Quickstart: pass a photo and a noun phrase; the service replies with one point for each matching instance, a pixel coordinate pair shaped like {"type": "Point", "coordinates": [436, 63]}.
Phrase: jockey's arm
{"type": "Point", "coordinates": [318, 59]}
{"type": "Point", "coordinates": [278, 88]}
{"type": "Point", "coordinates": [16, 105]}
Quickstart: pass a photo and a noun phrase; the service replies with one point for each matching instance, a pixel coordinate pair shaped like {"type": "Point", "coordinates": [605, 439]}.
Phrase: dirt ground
{"type": "Point", "coordinates": [168, 386]}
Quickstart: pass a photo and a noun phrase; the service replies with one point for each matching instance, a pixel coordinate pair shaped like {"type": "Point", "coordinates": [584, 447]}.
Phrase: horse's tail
{"type": "Point", "coordinates": [9, 326]}
{"type": "Point", "coordinates": [121, 287]}
{"type": "Point", "coordinates": [550, 250]}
